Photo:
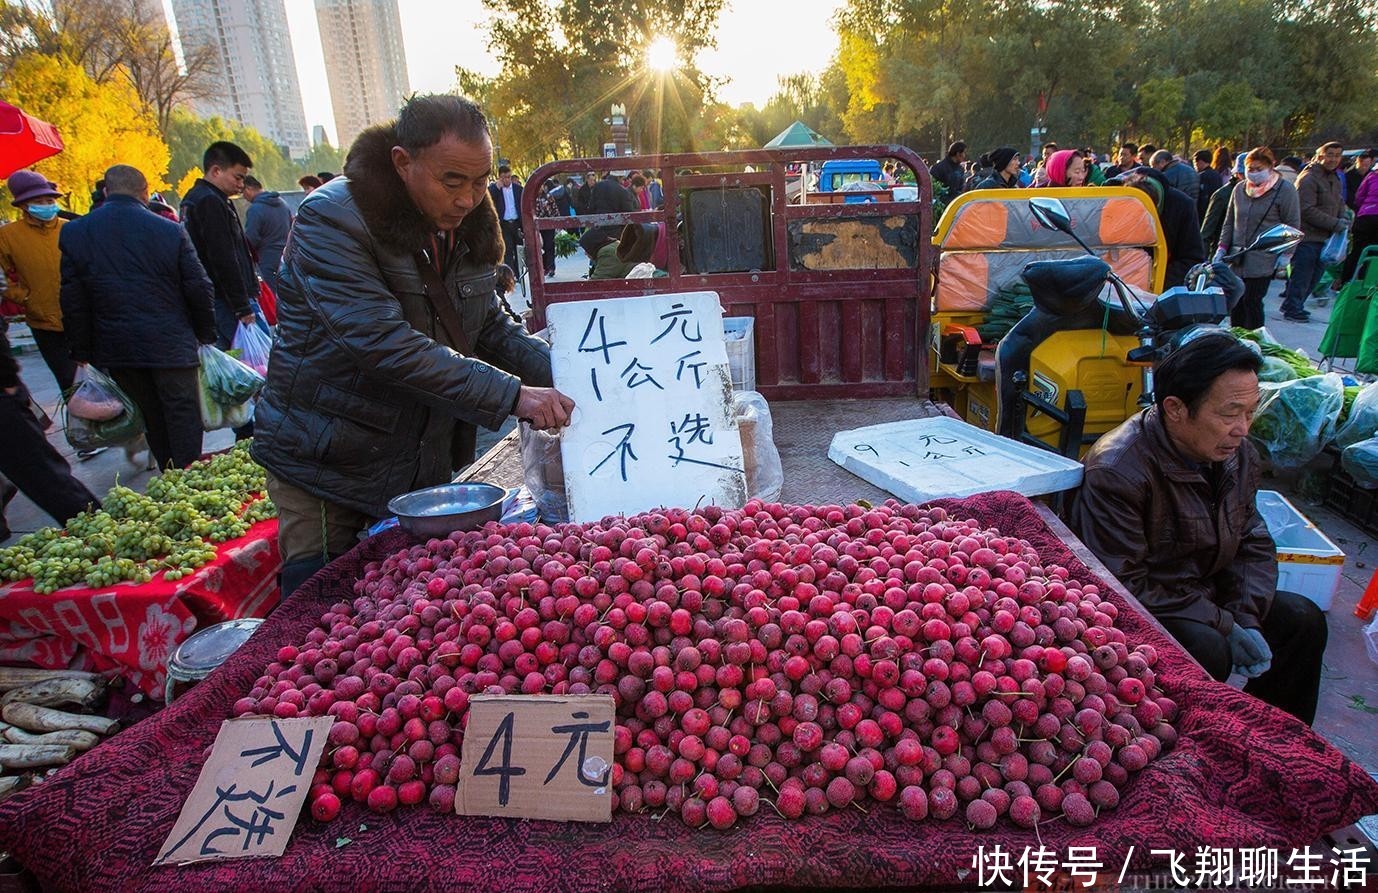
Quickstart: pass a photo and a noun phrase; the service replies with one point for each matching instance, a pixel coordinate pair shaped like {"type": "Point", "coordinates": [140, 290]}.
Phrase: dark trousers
{"type": "Point", "coordinates": [1306, 270]}
{"type": "Point", "coordinates": [548, 251]}
{"type": "Point", "coordinates": [1294, 629]}
{"type": "Point", "coordinates": [1248, 313]}
{"type": "Point", "coordinates": [34, 466]}
{"type": "Point", "coordinates": [53, 347]}
{"type": "Point", "coordinates": [1364, 234]}
{"type": "Point", "coordinates": [511, 232]}
{"type": "Point", "coordinates": [172, 411]}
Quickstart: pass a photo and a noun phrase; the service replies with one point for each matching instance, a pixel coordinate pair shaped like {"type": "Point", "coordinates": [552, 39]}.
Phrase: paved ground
{"type": "Point", "coordinates": [1350, 689]}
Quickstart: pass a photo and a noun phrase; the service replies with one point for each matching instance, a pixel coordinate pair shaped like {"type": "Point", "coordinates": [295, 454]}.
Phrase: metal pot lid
{"type": "Point", "coordinates": [209, 648]}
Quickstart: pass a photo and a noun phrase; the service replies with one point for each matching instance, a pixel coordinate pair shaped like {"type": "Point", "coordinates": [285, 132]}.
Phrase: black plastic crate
{"type": "Point", "coordinates": [1344, 495]}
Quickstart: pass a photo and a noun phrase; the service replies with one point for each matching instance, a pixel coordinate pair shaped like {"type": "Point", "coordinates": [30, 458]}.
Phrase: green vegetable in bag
{"type": "Point", "coordinates": [226, 380]}
{"type": "Point", "coordinates": [1296, 419]}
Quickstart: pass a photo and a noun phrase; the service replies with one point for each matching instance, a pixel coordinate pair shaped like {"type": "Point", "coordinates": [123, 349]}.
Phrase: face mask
{"type": "Point", "coordinates": [1258, 178]}
{"type": "Point", "coordinates": [42, 212]}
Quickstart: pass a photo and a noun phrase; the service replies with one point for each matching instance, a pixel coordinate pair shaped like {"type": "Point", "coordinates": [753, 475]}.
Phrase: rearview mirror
{"type": "Point", "coordinates": [1277, 239]}
{"type": "Point", "coordinates": [1052, 213]}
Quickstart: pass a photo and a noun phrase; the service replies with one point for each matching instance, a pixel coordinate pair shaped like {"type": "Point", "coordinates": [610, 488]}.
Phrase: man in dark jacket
{"type": "Point", "coordinates": [1178, 174]}
{"type": "Point", "coordinates": [1320, 190]}
{"type": "Point", "coordinates": [137, 303]}
{"type": "Point", "coordinates": [215, 230]}
{"type": "Point", "coordinates": [609, 196]}
{"type": "Point", "coordinates": [1167, 502]}
{"type": "Point", "coordinates": [1177, 214]}
{"type": "Point", "coordinates": [266, 226]}
{"type": "Point", "coordinates": [949, 171]}
{"type": "Point", "coordinates": [1004, 163]}
{"type": "Point", "coordinates": [507, 199]}
{"type": "Point", "coordinates": [1210, 182]}
{"type": "Point", "coordinates": [390, 333]}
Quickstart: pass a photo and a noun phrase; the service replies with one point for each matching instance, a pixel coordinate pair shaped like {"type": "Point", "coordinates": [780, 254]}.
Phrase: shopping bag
{"type": "Point", "coordinates": [96, 398]}
{"type": "Point", "coordinates": [90, 434]}
{"type": "Point", "coordinates": [225, 380]}
{"type": "Point", "coordinates": [267, 303]}
{"type": "Point", "coordinates": [253, 345]}
{"type": "Point", "coordinates": [1335, 248]}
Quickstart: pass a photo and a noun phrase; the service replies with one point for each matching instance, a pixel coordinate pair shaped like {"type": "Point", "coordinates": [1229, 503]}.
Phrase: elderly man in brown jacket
{"type": "Point", "coordinates": [1167, 503]}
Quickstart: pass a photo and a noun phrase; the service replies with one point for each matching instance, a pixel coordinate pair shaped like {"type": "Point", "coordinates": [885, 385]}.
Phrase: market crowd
{"type": "Point", "coordinates": [392, 342]}
{"type": "Point", "coordinates": [1213, 205]}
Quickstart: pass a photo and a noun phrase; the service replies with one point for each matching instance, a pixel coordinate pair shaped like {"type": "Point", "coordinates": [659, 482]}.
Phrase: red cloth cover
{"type": "Point", "coordinates": [135, 627]}
{"type": "Point", "coordinates": [1242, 775]}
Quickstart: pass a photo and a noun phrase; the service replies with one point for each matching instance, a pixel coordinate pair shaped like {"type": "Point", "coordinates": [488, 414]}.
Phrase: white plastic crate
{"type": "Point", "coordinates": [739, 335]}
{"type": "Point", "coordinates": [1309, 563]}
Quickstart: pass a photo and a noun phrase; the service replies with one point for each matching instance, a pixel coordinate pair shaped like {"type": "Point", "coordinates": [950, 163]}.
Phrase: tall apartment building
{"type": "Point", "coordinates": [257, 71]}
{"type": "Point", "coordinates": [364, 61]}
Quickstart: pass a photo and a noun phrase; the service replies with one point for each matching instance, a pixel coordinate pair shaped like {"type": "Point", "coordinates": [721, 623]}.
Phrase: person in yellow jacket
{"type": "Point", "coordinates": [32, 263]}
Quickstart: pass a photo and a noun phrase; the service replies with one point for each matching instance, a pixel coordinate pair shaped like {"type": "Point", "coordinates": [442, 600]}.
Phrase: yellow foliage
{"type": "Point", "coordinates": [189, 180]}
{"type": "Point", "coordinates": [101, 124]}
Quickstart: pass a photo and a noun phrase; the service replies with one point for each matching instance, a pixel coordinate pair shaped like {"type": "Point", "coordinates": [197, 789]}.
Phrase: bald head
{"type": "Point", "coordinates": [124, 179]}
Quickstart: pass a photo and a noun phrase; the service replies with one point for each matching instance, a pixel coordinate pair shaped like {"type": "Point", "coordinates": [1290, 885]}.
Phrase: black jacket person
{"type": "Point", "coordinates": [390, 332]}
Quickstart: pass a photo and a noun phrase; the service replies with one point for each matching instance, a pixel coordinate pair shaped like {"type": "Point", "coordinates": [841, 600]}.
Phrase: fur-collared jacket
{"type": "Point", "coordinates": [365, 385]}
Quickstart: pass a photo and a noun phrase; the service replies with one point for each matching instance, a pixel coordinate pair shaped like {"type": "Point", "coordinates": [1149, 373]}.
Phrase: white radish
{"type": "Point", "coordinates": [30, 756]}
{"type": "Point", "coordinates": [46, 719]}
{"type": "Point", "coordinates": [51, 692]}
{"type": "Point", "coordinates": [9, 785]}
{"type": "Point", "coordinates": [13, 677]}
{"type": "Point", "coordinates": [65, 738]}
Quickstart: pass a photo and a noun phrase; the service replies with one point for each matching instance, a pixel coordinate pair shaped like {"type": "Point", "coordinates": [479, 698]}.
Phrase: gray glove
{"type": "Point", "coordinates": [1249, 651]}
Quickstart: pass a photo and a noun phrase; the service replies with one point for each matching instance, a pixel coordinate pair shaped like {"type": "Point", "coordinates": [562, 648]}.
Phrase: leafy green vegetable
{"type": "Point", "coordinates": [1301, 364]}
{"type": "Point", "coordinates": [1297, 418]}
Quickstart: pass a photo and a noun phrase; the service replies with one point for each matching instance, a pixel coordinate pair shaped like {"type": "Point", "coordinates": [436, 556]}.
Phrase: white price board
{"type": "Point", "coordinates": [653, 424]}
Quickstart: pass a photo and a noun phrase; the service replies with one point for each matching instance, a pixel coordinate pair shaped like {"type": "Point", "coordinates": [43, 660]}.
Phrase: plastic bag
{"type": "Point", "coordinates": [215, 416]}
{"type": "Point", "coordinates": [1296, 419]}
{"type": "Point", "coordinates": [1276, 369]}
{"type": "Point", "coordinates": [1336, 247]}
{"type": "Point", "coordinates": [1363, 418]}
{"type": "Point", "coordinates": [226, 380]}
{"type": "Point", "coordinates": [543, 471]}
{"type": "Point", "coordinates": [765, 476]}
{"type": "Point", "coordinates": [1371, 640]}
{"type": "Point", "coordinates": [97, 398]}
{"type": "Point", "coordinates": [85, 434]}
{"type": "Point", "coordinates": [253, 345]}
{"type": "Point", "coordinates": [1360, 461]}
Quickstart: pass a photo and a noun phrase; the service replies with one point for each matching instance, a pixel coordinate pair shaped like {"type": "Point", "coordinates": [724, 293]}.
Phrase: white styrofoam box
{"type": "Point", "coordinates": [739, 335]}
{"type": "Point", "coordinates": [1309, 563]}
{"type": "Point", "coordinates": [923, 459]}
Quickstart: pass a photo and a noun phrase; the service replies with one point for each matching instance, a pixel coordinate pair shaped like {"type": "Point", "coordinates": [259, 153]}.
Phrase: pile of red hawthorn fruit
{"type": "Point", "coordinates": [811, 657]}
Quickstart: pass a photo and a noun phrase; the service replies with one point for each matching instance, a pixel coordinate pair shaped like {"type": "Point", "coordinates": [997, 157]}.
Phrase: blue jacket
{"type": "Point", "coordinates": [134, 293]}
{"type": "Point", "coordinates": [266, 226]}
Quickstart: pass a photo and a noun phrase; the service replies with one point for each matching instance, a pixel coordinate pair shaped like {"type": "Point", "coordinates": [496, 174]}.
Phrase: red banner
{"type": "Point", "coordinates": [135, 627]}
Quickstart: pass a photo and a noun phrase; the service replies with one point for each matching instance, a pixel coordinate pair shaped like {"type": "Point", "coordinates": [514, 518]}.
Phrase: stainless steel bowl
{"type": "Point", "coordinates": [440, 511]}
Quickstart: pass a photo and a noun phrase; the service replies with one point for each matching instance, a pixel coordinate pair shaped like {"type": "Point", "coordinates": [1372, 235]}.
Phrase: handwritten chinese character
{"type": "Point", "coordinates": [259, 822]}
{"type": "Point", "coordinates": [603, 346]}
{"type": "Point", "coordinates": [579, 735]}
{"type": "Point", "coordinates": [929, 439]}
{"type": "Point", "coordinates": [679, 314]}
{"type": "Point", "coordinates": [271, 752]}
{"type": "Point", "coordinates": [635, 368]}
{"type": "Point", "coordinates": [623, 450]}
{"type": "Point", "coordinates": [692, 429]}
{"type": "Point", "coordinates": [696, 367]}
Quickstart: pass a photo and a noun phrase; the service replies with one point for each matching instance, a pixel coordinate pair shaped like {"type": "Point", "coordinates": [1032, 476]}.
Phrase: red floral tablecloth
{"type": "Point", "coordinates": [134, 627]}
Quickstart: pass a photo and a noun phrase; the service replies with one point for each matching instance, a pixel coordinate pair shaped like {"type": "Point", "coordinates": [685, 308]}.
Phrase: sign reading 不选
{"type": "Point", "coordinates": [653, 423]}
{"type": "Point", "coordinates": [250, 791]}
{"type": "Point", "coordinates": [538, 757]}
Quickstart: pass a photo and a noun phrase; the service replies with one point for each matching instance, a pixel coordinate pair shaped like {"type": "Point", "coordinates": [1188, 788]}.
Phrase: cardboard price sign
{"type": "Point", "coordinates": [250, 792]}
{"type": "Point", "coordinates": [538, 757]}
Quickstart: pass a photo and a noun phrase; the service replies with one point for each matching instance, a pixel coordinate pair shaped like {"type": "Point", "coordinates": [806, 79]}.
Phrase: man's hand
{"type": "Point", "coordinates": [249, 319]}
{"type": "Point", "coordinates": [1249, 651]}
{"type": "Point", "coordinates": [544, 408]}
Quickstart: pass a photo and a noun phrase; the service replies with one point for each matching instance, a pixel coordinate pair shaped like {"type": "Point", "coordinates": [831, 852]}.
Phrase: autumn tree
{"type": "Point", "coordinates": [101, 124]}
{"type": "Point", "coordinates": [188, 136]}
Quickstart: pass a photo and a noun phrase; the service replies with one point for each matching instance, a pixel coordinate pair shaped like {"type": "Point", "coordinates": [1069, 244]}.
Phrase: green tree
{"type": "Point", "coordinates": [188, 136]}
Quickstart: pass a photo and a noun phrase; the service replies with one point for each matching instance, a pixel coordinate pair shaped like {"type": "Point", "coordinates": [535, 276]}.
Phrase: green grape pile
{"type": "Point", "coordinates": [171, 528]}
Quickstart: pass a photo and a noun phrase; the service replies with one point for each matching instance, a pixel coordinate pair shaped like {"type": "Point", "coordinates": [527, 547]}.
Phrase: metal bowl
{"type": "Point", "coordinates": [440, 511]}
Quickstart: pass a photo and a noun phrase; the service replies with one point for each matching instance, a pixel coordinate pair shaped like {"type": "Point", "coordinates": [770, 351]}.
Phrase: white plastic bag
{"type": "Point", "coordinates": [96, 398]}
{"type": "Point", "coordinates": [765, 476]}
{"type": "Point", "coordinates": [1363, 418]}
{"type": "Point", "coordinates": [543, 472]}
{"type": "Point", "coordinates": [1371, 639]}
{"type": "Point", "coordinates": [254, 346]}
{"type": "Point", "coordinates": [226, 380]}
